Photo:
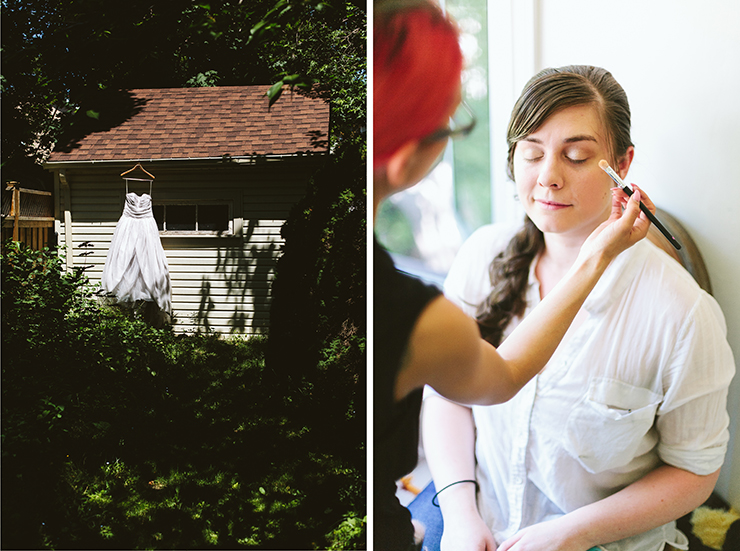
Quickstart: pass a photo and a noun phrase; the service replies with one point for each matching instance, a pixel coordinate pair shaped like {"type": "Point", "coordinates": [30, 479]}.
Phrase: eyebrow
{"type": "Point", "coordinates": [571, 139]}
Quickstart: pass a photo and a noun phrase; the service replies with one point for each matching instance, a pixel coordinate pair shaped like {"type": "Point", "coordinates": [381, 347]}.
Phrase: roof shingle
{"type": "Point", "coordinates": [196, 123]}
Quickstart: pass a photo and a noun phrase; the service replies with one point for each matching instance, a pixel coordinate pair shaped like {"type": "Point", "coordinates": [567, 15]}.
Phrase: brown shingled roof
{"type": "Point", "coordinates": [180, 123]}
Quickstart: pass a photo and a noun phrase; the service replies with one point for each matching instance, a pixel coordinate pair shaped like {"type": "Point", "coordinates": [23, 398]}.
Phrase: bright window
{"type": "Point", "coordinates": [424, 226]}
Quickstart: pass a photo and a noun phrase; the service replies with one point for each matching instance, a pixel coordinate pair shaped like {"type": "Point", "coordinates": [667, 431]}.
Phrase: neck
{"type": "Point", "coordinates": [561, 250]}
{"type": "Point", "coordinates": [557, 258]}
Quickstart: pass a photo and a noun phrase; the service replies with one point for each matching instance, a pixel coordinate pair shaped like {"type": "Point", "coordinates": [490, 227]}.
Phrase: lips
{"type": "Point", "coordinates": [551, 205]}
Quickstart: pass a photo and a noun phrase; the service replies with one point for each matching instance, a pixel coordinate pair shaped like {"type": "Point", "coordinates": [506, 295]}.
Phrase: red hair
{"type": "Point", "coordinates": [416, 73]}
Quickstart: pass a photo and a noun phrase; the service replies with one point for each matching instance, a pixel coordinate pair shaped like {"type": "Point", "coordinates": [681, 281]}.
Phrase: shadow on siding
{"type": "Point", "coordinates": [246, 268]}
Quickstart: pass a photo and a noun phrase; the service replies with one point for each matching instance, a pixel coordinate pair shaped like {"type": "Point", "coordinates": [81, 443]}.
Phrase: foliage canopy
{"type": "Point", "coordinates": [59, 56]}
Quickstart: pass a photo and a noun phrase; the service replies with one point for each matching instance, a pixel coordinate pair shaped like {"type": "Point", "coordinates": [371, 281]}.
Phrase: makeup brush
{"type": "Point", "coordinates": [603, 165]}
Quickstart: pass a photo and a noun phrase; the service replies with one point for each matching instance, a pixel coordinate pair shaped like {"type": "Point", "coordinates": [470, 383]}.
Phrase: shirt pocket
{"type": "Point", "coordinates": [606, 427]}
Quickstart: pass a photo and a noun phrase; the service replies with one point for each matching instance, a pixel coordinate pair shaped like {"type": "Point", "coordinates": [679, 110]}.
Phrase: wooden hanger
{"type": "Point", "coordinates": [138, 165]}
{"type": "Point", "coordinates": [150, 179]}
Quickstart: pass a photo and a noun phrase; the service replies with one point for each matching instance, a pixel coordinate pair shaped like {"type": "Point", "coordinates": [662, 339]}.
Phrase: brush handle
{"type": "Point", "coordinates": [655, 221]}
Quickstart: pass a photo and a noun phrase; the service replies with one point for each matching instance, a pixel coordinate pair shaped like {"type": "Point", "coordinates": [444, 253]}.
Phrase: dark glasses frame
{"type": "Point", "coordinates": [454, 131]}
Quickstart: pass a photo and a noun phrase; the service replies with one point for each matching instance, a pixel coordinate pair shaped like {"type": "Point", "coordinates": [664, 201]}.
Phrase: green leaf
{"type": "Point", "coordinates": [258, 27]}
{"type": "Point", "coordinates": [93, 114]}
{"type": "Point", "coordinates": [274, 92]}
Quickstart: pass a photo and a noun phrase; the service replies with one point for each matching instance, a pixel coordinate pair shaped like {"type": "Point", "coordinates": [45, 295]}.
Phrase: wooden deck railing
{"type": "Point", "coordinates": [27, 216]}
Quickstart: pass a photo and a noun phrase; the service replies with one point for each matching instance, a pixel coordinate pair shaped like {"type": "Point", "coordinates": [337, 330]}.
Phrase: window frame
{"type": "Point", "coordinates": [231, 231]}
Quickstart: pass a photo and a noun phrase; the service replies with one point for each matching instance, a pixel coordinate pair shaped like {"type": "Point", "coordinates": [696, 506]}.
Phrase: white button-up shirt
{"type": "Point", "coordinates": [641, 380]}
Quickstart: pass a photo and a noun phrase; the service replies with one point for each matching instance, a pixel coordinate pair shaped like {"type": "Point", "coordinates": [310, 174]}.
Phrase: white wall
{"type": "Point", "coordinates": [679, 62]}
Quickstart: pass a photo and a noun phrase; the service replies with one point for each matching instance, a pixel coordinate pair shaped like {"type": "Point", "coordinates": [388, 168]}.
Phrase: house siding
{"type": "Point", "coordinates": [219, 284]}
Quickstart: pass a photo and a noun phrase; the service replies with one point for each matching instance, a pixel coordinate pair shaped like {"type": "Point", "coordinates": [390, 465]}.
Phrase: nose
{"type": "Point", "coordinates": [551, 174]}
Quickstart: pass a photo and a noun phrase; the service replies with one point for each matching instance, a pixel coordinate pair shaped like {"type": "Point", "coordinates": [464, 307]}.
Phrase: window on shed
{"type": "Point", "coordinates": [194, 218]}
{"type": "Point", "coordinates": [213, 217]}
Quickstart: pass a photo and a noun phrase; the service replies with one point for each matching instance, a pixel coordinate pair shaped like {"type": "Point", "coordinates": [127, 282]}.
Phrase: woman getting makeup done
{"type": "Point", "coordinates": [419, 336]}
{"type": "Point", "coordinates": [625, 428]}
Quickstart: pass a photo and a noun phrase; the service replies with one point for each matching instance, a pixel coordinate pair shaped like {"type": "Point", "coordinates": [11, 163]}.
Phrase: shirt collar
{"type": "Point", "coordinates": [620, 273]}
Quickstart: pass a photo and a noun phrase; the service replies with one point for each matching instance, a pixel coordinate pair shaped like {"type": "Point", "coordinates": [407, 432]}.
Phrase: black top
{"type": "Point", "coordinates": [398, 301]}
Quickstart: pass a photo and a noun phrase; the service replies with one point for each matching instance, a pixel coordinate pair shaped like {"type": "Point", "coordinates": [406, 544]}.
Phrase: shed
{"type": "Point", "coordinates": [227, 168]}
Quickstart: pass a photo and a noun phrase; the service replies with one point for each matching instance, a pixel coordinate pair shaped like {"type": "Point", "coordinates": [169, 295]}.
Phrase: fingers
{"type": "Point", "coordinates": [645, 199]}
{"type": "Point", "coordinates": [627, 217]}
{"type": "Point", "coordinates": [619, 195]}
{"type": "Point", "coordinates": [619, 200]}
{"type": "Point", "coordinates": [508, 544]}
{"type": "Point", "coordinates": [631, 209]}
{"type": "Point", "coordinates": [419, 531]}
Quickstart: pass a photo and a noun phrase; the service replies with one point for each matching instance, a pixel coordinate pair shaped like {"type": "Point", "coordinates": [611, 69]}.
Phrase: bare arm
{"type": "Point", "coordinates": [449, 444]}
{"type": "Point", "coordinates": [663, 495]}
{"type": "Point", "coordinates": [445, 350]}
{"type": "Point", "coordinates": [447, 426]}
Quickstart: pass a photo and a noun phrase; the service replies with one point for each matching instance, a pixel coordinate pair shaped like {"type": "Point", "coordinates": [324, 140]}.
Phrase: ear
{"type": "Point", "coordinates": [625, 161]}
{"type": "Point", "coordinates": [399, 165]}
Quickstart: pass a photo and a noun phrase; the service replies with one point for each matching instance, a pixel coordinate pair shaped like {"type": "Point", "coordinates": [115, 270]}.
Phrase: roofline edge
{"type": "Point", "coordinates": [238, 159]}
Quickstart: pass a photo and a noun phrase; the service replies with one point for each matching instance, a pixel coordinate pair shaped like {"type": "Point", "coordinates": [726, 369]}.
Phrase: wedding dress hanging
{"type": "Point", "coordinates": [136, 267]}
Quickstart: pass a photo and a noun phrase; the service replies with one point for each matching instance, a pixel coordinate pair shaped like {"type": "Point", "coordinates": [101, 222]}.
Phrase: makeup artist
{"type": "Point", "coordinates": [419, 336]}
{"type": "Point", "coordinates": [625, 429]}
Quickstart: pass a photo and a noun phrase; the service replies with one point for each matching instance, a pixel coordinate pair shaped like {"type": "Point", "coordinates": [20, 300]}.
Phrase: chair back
{"type": "Point", "coordinates": [688, 256]}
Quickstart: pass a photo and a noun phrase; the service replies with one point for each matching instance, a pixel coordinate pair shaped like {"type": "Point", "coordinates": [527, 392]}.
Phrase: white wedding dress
{"type": "Point", "coordinates": [136, 267]}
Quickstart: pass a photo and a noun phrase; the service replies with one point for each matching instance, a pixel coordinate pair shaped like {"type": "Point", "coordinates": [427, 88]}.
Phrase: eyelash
{"type": "Point", "coordinates": [574, 161]}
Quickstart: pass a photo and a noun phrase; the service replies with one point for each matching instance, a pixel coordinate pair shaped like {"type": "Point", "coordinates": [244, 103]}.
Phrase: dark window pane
{"type": "Point", "coordinates": [158, 211]}
{"type": "Point", "coordinates": [213, 217]}
{"type": "Point", "coordinates": [180, 217]}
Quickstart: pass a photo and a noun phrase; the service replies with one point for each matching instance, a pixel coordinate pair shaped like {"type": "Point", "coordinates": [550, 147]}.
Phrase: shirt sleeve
{"type": "Point", "coordinates": [692, 419]}
{"type": "Point", "coordinates": [468, 282]}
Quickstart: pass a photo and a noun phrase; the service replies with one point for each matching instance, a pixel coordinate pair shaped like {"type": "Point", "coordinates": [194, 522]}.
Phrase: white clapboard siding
{"type": "Point", "coordinates": [219, 284]}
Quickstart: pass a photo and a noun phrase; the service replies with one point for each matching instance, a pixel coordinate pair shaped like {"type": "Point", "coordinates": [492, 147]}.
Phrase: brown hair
{"type": "Point", "coordinates": [548, 92]}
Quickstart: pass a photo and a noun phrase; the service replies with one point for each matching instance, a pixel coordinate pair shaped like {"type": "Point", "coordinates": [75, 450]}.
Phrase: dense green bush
{"type": "Point", "coordinates": [119, 435]}
{"type": "Point", "coordinates": [316, 349]}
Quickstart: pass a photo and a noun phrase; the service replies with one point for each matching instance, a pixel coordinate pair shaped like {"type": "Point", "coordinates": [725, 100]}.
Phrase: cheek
{"type": "Point", "coordinates": [596, 194]}
{"type": "Point", "coordinates": [524, 179]}
{"type": "Point", "coordinates": [438, 149]}
{"type": "Point", "coordinates": [603, 187]}
{"type": "Point", "coordinates": [425, 160]}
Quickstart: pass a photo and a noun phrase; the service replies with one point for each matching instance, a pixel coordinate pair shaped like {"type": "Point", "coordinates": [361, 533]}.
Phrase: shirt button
{"type": "Point", "coordinates": [518, 480]}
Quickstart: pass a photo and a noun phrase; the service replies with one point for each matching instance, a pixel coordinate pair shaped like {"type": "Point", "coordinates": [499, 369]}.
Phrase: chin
{"type": "Point", "coordinates": [547, 224]}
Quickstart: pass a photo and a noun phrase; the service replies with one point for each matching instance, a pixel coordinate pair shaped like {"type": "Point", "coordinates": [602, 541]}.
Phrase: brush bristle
{"type": "Point", "coordinates": [603, 165]}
